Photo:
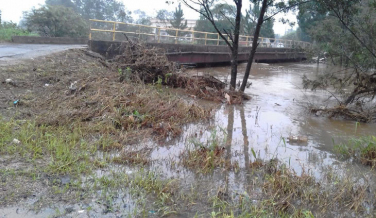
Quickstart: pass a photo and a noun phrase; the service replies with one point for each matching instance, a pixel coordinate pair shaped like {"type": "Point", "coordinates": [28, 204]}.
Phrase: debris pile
{"type": "Point", "coordinates": [346, 112]}
{"type": "Point", "coordinates": [137, 62]}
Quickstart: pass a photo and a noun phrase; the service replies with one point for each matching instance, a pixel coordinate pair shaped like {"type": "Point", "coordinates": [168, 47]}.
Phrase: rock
{"type": "Point", "coordinates": [73, 86]}
{"type": "Point", "coordinates": [10, 82]}
{"type": "Point", "coordinates": [16, 141]}
{"type": "Point", "coordinates": [297, 138]}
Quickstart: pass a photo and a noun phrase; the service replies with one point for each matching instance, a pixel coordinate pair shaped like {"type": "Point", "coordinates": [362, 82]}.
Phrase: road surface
{"type": "Point", "coordinates": [13, 53]}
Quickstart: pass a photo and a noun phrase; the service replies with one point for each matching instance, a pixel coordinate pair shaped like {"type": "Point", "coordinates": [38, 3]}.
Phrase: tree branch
{"type": "Point", "coordinates": [287, 8]}
{"type": "Point", "coordinates": [208, 15]}
{"type": "Point", "coordinates": [352, 33]}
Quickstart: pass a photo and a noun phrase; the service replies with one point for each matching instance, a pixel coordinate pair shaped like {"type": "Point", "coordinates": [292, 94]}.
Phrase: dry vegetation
{"type": "Point", "coordinates": [74, 87]}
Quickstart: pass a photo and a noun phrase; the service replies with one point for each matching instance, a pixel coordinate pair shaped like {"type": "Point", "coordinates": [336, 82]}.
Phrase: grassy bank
{"type": "Point", "coordinates": [9, 29]}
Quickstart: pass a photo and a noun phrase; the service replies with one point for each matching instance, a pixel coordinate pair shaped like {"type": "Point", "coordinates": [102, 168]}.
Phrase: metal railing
{"type": "Point", "coordinates": [112, 30]}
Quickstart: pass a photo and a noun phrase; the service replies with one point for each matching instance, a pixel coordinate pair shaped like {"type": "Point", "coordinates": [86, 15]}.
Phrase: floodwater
{"type": "Point", "coordinates": [278, 109]}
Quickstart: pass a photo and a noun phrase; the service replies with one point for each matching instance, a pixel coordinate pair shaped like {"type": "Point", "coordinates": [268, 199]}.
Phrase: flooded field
{"type": "Point", "coordinates": [213, 167]}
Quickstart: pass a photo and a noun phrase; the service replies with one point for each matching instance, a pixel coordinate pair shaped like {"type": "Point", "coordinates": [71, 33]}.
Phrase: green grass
{"type": "Point", "coordinates": [7, 30]}
{"type": "Point", "coordinates": [362, 149]}
{"type": "Point", "coordinates": [62, 149]}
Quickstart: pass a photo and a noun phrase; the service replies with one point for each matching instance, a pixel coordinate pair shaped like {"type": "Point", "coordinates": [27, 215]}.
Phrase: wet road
{"type": "Point", "coordinates": [12, 53]}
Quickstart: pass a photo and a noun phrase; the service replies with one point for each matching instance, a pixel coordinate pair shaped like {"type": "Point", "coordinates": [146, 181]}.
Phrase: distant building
{"type": "Point", "coordinates": [158, 23]}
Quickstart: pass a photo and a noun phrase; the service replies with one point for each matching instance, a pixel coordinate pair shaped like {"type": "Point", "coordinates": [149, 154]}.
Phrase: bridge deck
{"type": "Point", "coordinates": [209, 54]}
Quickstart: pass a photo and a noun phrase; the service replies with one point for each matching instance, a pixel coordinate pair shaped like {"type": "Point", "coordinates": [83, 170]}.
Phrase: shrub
{"type": "Point", "coordinates": [9, 29]}
{"type": "Point", "coordinates": [56, 21]}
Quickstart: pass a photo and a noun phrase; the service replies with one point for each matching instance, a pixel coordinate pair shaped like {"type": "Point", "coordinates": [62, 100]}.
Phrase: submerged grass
{"type": "Point", "coordinates": [362, 149]}
{"type": "Point", "coordinates": [205, 157]}
{"type": "Point", "coordinates": [285, 194]}
{"type": "Point", "coordinates": [275, 190]}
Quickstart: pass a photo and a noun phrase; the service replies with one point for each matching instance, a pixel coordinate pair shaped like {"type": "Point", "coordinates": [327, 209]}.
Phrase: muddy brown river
{"type": "Point", "coordinates": [277, 111]}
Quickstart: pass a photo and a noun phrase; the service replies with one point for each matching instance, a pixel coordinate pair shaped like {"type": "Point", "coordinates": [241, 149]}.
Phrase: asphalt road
{"type": "Point", "coordinates": [13, 53]}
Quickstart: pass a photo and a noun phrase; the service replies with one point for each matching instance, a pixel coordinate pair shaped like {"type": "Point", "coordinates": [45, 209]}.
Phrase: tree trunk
{"type": "Point", "coordinates": [234, 68]}
{"type": "Point", "coordinates": [254, 44]}
{"type": "Point", "coordinates": [235, 46]}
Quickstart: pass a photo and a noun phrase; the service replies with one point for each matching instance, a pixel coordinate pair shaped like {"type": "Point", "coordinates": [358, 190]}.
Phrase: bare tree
{"type": "Point", "coordinates": [231, 37]}
{"type": "Point", "coordinates": [205, 9]}
{"type": "Point", "coordinates": [260, 21]}
{"type": "Point", "coordinates": [278, 7]}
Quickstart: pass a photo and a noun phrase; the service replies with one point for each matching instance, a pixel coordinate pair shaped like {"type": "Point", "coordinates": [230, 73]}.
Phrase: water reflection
{"type": "Point", "coordinates": [245, 137]}
{"type": "Point", "coordinates": [230, 127]}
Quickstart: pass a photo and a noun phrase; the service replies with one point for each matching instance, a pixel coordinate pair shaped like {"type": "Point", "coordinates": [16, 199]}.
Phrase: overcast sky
{"type": "Point", "coordinates": [12, 10]}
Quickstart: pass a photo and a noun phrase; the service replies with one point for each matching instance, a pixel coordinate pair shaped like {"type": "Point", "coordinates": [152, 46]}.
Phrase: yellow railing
{"type": "Point", "coordinates": [112, 30]}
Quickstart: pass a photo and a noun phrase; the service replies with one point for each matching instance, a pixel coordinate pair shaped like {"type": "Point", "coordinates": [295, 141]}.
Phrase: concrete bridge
{"type": "Point", "coordinates": [211, 54]}
{"type": "Point", "coordinates": [193, 47]}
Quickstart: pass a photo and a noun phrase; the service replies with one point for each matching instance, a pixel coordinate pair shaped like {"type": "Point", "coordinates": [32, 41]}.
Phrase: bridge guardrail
{"type": "Point", "coordinates": [113, 30]}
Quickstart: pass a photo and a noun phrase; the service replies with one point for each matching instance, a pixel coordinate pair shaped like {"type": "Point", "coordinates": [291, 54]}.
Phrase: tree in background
{"type": "Point", "coordinates": [65, 3]}
{"type": "Point", "coordinates": [250, 20]}
{"type": "Point", "coordinates": [310, 14]}
{"type": "Point", "coordinates": [96, 9]}
{"type": "Point", "coordinates": [0, 16]}
{"type": "Point", "coordinates": [56, 21]}
{"type": "Point", "coordinates": [347, 35]}
{"type": "Point", "coordinates": [142, 18]}
{"type": "Point", "coordinates": [164, 15]}
{"type": "Point", "coordinates": [223, 14]}
{"type": "Point", "coordinates": [177, 19]}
